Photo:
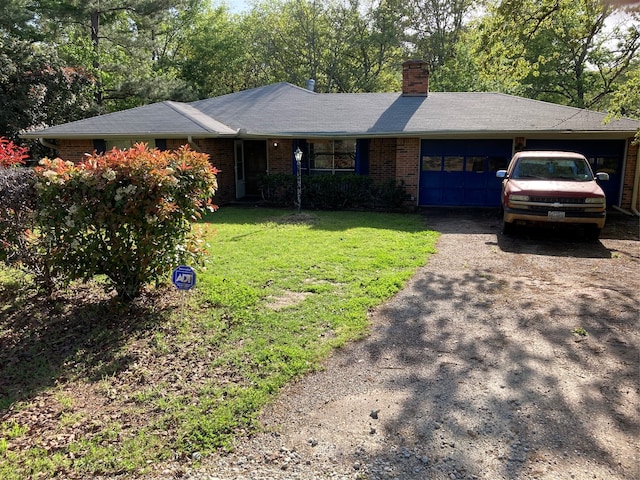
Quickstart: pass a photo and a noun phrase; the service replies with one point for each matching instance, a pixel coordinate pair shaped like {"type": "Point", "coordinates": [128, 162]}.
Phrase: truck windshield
{"type": "Point", "coordinates": [553, 169]}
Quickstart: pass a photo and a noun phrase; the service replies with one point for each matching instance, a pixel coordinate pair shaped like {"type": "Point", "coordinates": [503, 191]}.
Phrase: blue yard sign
{"type": "Point", "coordinates": [184, 278]}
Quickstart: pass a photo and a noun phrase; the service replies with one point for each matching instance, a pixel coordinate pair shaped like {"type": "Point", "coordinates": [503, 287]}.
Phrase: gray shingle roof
{"type": "Point", "coordinates": [283, 109]}
{"type": "Point", "coordinates": [164, 119]}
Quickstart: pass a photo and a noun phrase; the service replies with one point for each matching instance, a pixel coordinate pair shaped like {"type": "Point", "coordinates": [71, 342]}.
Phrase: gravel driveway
{"type": "Point", "coordinates": [504, 358]}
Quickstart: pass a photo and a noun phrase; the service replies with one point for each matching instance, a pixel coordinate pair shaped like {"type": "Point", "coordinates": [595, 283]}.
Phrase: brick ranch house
{"type": "Point", "coordinates": [444, 146]}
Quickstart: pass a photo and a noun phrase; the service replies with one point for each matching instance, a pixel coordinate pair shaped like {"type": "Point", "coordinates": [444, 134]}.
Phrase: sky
{"type": "Point", "coordinates": [236, 6]}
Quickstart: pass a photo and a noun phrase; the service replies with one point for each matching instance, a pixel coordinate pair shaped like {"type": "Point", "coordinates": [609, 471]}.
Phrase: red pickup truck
{"type": "Point", "coordinates": [552, 187]}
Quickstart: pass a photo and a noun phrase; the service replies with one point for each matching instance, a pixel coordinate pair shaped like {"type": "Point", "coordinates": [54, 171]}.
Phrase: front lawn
{"type": "Point", "coordinates": [90, 387]}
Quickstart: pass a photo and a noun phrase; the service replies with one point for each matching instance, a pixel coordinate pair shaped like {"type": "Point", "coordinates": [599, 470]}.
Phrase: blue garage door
{"type": "Point", "coordinates": [462, 172]}
{"type": "Point", "coordinates": [604, 156]}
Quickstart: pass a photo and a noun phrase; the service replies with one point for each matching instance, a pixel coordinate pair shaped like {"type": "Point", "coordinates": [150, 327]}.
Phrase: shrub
{"type": "Point", "coordinates": [336, 192]}
{"type": "Point", "coordinates": [278, 189]}
{"type": "Point", "coordinates": [11, 154]}
{"type": "Point", "coordinates": [20, 246]}
{"type": "Point", "coordinates": [125, 214]}
{"type": "Point", "coordinates": [333, 192]}
{"type": "Point", "coordinates": [17, 205]}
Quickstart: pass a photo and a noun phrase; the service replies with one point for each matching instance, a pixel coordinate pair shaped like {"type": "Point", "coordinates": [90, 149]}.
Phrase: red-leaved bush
{"type": "Point", "coordinates": [125, 214]}
{"type": "Point", "coordinates": [12, 154]}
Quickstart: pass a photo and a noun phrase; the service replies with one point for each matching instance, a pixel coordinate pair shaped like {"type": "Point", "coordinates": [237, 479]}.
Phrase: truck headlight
{"type": "Point", "coordinates": [594, 200]}
{"type": "Point", "coordinates": [519, 198]}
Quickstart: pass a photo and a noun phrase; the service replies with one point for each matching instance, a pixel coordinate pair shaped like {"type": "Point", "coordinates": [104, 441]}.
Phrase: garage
{"type": "Point", "coordinates": [603, 155]}
{"type": "Point", "coordinates": [462, 172]}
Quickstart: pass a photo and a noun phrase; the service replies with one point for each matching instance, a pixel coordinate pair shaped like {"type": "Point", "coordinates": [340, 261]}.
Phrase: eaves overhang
{"type": "Point", "coordinates": [586, 134]}
{"type": "Point", "coordinates": [133, 135]}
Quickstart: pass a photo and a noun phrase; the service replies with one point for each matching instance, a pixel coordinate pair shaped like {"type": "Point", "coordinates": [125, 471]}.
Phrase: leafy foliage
{"type": "Point", "coordinates": [436, 27]}
{"type": "Point", "coordinates": [341, 45]}
{"type": "Point", "coordinates": [214, 55]}
{"type": "Point", "coordinates": [333, 192]}
{"type": "Point", "coordinates": [626, 99]}
{"type": "Point", "coordinates": [37, 89]}
{"type": "Point", "coordinates": [17, 213]}
{"type": "Point", "coordinates": [19, 245]}
{"type": "Point", "coordinates": [65, 60]}
{"type": "Point", "coordinates": [563, 51]}
{"type": "Point", "coordinates": [125, 214]}
{"type": "Point", "coordinates": [12, 154]}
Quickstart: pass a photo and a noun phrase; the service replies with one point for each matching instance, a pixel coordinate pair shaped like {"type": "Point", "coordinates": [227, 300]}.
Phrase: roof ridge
{"type": "Point", "coordinates": [201, 119]}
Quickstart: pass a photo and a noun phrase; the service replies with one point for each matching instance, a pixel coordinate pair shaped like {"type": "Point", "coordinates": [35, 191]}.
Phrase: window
{"type": "Point", "coordinates": [431, 164]}
{"type": "Point", "coordinates": [475, 164]}
{"type": "Point", "coordinates": [453, 164]}
{"type": "Point", "coordinates": [332, 156]}
{"type": "Point", "coordinates": [125, 143]}
{"type": "Point", "coordinates": [100, 146]}
{"type": "Point", "coordinates": [161, 144]}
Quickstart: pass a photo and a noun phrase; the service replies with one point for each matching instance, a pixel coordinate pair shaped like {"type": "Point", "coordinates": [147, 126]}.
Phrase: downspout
{"type": "Point", "coordinates": [193, 144]}
{"type": "Point", "coordinates": [636, 183]}
{"type": "Point", "coordinates": [44, 143]}
{"type": "Point", "coordinates": [634, 193]}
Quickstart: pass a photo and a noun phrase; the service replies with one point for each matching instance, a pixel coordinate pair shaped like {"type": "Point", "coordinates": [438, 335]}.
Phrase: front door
{"type": "Point", "coordinates": [255, 164]}
{"type": "Point", "coordinates": [239, 170]}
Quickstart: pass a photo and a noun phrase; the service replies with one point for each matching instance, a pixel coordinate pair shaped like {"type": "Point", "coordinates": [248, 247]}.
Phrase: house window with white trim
{"type": "Point", "coordinates": [332, 156]}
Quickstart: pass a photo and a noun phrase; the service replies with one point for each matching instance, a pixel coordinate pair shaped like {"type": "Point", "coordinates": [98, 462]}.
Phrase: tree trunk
{"type": "Point", "coordinates": [95, 40]}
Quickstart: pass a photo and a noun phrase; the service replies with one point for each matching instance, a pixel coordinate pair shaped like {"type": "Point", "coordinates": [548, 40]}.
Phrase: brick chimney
{"type": "Point", "coordinates": [415, 78]}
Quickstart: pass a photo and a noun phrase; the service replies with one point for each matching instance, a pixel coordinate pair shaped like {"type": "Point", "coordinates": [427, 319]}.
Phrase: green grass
{"type": "Point", "coordinates": [278, 292]}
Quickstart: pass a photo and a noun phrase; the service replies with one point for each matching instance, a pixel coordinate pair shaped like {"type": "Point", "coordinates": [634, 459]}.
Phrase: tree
{"type": "Point", "coordinates": [37, 89]}
{"type": "Point", "coordinates": [126, 45]}
{"type": "Point", "coordinates": [563, 51]}
{"type": "Point", "coordinates": [214, 54]}
{"type": "Point", "coordinates": [625, 101]}
{"type": "Point", "coordinates": [436, 27]}
{"type": "Point", "coordinates": [368, 57]}
{"type": "Point", "coordinates": [16, 18]}
{"type": "Point", "coordinates": [343, 46]}
{"type": "Point", "coordinates": [462, 72]}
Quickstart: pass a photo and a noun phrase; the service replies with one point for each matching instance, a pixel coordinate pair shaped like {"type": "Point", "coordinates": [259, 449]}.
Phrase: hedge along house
{"type": "Point", "coordinates": [445, 147]}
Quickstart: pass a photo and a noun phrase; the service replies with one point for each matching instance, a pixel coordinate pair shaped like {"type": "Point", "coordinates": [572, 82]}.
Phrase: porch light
{"type": "Point", "coordinates": [298, 156]}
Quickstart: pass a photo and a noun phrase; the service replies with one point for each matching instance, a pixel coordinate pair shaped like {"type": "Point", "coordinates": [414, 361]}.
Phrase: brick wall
{"type": "Point", "coordinates": [382, 158]}
{"type": "Point", "coordinates": [407, 165]}
{"type": "Point", "coordinates": [280, 157]}
{"type": "Point", "coordinates": [219, 150]}
{"type": "Point", "coordinates": [629, 176]}
{"type": "Point", "coordinates": [221, 156]}
{"type": "Point", "coordinates": [74, 150]}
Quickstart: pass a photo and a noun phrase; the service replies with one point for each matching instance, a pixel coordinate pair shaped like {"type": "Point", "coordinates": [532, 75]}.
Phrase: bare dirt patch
{"type": "Point", "coordinates": [302, 218]}
{"type": "Point", "coordinates": [287, 299]}
{"type": "Point", "coordinates": [505, 357]}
